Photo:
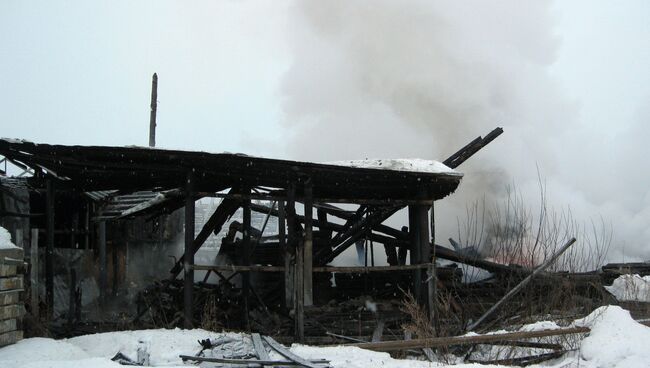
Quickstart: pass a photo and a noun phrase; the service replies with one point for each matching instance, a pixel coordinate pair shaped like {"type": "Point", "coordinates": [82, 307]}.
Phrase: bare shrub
{"type": "Point", "coordinates": [210, 315]}
{"type": "Point", "coordinates": [510, 231]}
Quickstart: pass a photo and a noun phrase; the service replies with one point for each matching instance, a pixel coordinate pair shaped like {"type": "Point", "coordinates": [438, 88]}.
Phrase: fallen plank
{"type": "Point", "coordinates": [289, 355]}
{"type": "Point", "coordinates": [260, 350]}
{"type": "Point", "coordinates": [248, 361]}
{"type": "Point", "coordinates": [466, 340]}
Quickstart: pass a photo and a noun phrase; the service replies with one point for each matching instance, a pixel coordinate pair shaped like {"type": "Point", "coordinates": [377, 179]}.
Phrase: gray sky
{"type": "Point", "coordinates": [568, 80]}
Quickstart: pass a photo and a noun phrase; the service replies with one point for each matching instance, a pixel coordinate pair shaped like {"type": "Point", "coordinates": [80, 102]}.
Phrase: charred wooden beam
{"type": "Point", "coordinates": [308, 245]}
{"type": "Point", "coordinates": [402, 241]}
{"type": "Point", "coordinates": [226, 209]}
{"type": "Point", "coordinates": [246, 257]}
{"type": "Point", "coordinates": [470, 149]}
{"type": "Point", "coordinates": [356, 232]}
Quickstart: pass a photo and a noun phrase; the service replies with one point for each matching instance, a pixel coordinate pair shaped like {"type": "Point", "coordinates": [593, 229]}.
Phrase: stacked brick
{"type": "Point", "coordinates": [12, 305]}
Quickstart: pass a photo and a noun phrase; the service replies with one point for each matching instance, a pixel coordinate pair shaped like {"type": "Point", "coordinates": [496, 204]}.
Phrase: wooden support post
{"type": "Point", "coordinates": [298, 268]}
{"type": "Point", "coordinates": [71, 298]}
{"type": "Point", "coordinates": [154, 108]}
{"type": "Point", "coordinates": [103, 281]}
{"type": "Point", "coordinates": [414, 251]}
{"type": "Point", "coordinates": [33, 274]}
{"type": "Point", "coordinates": [286, 256]}
{"type": "Point", "coordinates": [424, 248]}
{"type": "Point", "coordinates": [87, 226]}
{"type": "Point", "coordinates": [246, 256]}
{"type": "Point", "coordinates": [49, 251]}
{"type": "Point", "coordinates": [432, 285]}
{"type": "Point", "coordinates": [116, 268]}
{"type": "Point", "coordinates": [308, 245]}
{"type": "Point", "coordinates": [188, 259]}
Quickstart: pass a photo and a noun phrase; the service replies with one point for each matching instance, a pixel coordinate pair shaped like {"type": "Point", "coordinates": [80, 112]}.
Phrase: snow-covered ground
{"type": "Point", "coordinates": [631, 288]}
{"type": "Point", "coordinates": [616, 340]}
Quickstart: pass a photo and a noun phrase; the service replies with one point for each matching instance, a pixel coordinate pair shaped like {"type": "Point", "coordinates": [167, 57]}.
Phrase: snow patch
{"type": "Point", "coordinates": [399, 164]}
{"type": "Point", "coordinates": [616, 340]}
{"type": "Point", "coordinates": [5, 239]}
{"type": "Point", "coordinates": [631, 288]}
{"type": "Point", "coordinates": [39, 349]}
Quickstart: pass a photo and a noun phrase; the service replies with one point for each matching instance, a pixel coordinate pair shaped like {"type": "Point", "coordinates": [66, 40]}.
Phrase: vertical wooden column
{"type": "Point", "coordinates": [188, 258]}
{"type": "Point", "coordinates": [420, 249]}
{"type": "Point", "coordinates": [425, 250]}
{"type": "Point", "coordinates": [298, 267]}
{"type": "Point", "coordinates": [414, 250]}
{"type": "Point", "coordinates": [432, 285]}
{"type": "Point", "coordinates": [103, 281]}
{"type": "Point", "coordinates": [246, 253]}
{"type": "Point", "coordinates": [33, 274]}
{"type": "Point", "coordinates": [116, 267]}
{"type": "Point", "coordinates": [87, 226]}
{"type": "Point", "coordinates": [308, 245]}
{"type": "Point", "coordinates": [286, 256]}
{"type": "Point", "coordinates": [49, 251]}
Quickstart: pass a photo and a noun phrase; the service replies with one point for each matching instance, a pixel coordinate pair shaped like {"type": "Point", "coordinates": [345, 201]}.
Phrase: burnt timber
{"type": "Point", "coordinates": [137, 181]}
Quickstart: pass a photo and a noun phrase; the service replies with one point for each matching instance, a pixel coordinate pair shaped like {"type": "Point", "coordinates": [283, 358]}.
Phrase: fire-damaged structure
{"type": "Point", "coordinates": [100, 198]}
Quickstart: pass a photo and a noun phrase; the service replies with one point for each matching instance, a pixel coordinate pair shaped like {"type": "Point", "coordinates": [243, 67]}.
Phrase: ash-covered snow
{"type": "Point", "coordinates": [631, 288]}
{"type": "Point", "coordinates": [616, 341]}
{"type": "Point", "coordinates": [5, 239]}
{"type": "Point", "coordinates": [399, 164]}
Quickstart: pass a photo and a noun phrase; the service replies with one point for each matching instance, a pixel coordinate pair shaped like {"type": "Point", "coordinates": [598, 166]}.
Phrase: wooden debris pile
{"type": "Point", "coordinates": [251, 352]}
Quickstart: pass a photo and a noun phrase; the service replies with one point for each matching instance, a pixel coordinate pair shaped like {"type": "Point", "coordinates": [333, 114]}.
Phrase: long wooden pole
{"type": "Point", "coordinates": [466, 340]}
{"type": "Point", "coordinates": [154, 108]}
{"type": "Point", "coordinates": [522, 284]}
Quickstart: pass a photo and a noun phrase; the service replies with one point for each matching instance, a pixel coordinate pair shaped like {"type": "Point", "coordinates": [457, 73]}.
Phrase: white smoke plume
{"type": "Point", "coordinates": [376, 79]}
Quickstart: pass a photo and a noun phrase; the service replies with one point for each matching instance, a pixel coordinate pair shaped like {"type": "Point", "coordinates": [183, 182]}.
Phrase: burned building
{"type": "Point", "coordinates": [280, 262]}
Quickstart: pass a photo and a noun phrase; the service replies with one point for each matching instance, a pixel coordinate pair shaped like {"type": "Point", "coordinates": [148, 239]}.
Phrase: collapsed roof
{"type": "Point", "coordinates": [130, 169]}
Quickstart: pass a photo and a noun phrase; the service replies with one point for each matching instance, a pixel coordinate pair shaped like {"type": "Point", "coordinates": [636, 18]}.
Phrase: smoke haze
{"type": "Point", "coordinates": [376, 79]}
